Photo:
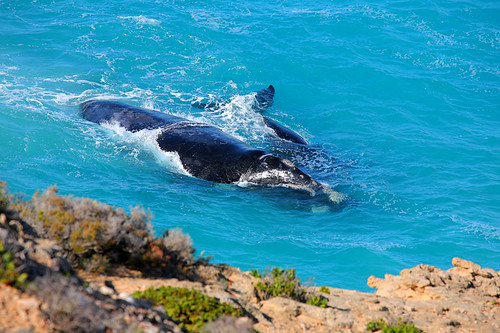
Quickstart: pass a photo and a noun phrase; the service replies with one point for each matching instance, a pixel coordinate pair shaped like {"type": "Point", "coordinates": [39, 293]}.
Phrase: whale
{"type": "Point", "coordinates": [205, 151]}
{"type": "Point", "coordinates": [263, 100]}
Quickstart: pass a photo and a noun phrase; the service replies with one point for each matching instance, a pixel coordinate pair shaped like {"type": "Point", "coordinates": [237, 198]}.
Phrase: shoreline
{"type": "Point", "coordinates": [52, 281]}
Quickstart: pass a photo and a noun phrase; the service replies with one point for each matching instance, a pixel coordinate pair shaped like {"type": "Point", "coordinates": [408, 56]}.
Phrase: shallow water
{"type": "Point", "coordinates": [399, 100]}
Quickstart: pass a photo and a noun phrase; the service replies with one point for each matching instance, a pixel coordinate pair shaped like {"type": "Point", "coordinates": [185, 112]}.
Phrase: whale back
{"type": "Point", "coordinates": [208, 153]}
{"type": "Point", "coordinates": [132, 118]}
{"type": "Point", "coordinates": [205, 151]}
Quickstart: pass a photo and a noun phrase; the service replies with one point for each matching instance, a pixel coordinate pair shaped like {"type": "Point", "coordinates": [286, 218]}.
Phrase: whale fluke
{"type": "Point", "coordinates": [264, 99]}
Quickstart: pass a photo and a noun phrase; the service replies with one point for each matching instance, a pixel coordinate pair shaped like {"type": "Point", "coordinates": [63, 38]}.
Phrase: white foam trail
{"type": "Point", "coordinates": [146, 140]}
{"type": "Point", "coordinates": [238, 118]}
{"type": "Point", "coordinates": [336, 197]}
{"type": "Point", "coordinates": [171, 161]}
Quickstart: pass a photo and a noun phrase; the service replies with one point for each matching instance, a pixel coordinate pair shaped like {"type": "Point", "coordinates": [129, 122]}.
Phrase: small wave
{"type": "Point", "coordinates": [482, 229]}
{"type": "Point", "coordinates": [141, 20]}
{"type": "Point", "coordinates": [212, 20]}
{"type": "Point", "coordinates": [4, 69]}
{"type": "Point", "coordinates": [342, 242]}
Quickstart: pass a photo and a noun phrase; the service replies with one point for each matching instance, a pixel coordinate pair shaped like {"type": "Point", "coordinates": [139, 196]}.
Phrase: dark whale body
{"type": "Point", "coordinates": [205, 151]}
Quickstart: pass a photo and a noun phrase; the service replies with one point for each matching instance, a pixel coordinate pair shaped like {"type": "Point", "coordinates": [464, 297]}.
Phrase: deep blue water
{"type": "Point", "coordinates": [399, 99]}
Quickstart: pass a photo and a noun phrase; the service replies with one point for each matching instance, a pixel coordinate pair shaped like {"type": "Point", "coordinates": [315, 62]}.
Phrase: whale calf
{"type": "Point", "coordinates": [205, 151]}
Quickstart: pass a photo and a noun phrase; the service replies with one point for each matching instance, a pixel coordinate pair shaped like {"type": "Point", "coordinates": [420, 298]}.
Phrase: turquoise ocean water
{"type": "Point", "coordinates": [399, 99]}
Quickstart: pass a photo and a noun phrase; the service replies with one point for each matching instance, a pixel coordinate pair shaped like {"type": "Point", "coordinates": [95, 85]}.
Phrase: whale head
{"type": "Point", "coordinates": [272, 170]}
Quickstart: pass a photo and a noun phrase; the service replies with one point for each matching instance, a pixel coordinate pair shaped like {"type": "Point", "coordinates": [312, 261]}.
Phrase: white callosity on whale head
{"type": "Point", "coordinates": [249, 179]}
{"type": "Point", "coordinates": [273, 178]}
{"type": "Point", "coordinates": [271, 170]}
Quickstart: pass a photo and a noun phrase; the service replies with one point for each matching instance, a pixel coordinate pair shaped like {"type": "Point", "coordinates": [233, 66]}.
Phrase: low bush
{"type": "Point", "coordinates": [319, 301]}
{"type": "Point", "coordinates": [280, 282]}
{"type": "Point", "coordinates": [255, 273]}
{"type": "Point", "coordinates": [401, 327]}
{"type": "Point", "coordinates": [9, 274]}
{"type": "Point", "coordinates": [179, 243]}
{"type": "Point", "coordinates": [94, 236]}
{"type": "Point", "coordinates": [284, 283]}
{"type": "Point", "coordinates": [189, 308]}
{"type": "Point", "coordinates": [324, 289]}
{"type": "Point", "coordinates": [4, 197]}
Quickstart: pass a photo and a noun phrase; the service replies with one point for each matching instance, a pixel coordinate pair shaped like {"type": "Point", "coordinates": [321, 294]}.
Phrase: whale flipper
{"type": "Point", "coordinates": [283, 132]}
{"type": "Point", "coordinates": [264, 100]}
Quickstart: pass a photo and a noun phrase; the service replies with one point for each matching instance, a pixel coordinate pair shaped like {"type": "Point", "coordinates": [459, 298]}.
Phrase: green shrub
{"type": "Point", "coordinates": [4, 197]}
{"type": "Point", "coordinates": [320, 301]}
{"type": "Point", "coordinates": [281, 282]}
{"type": "Point", "coordinates": [324, 289]}
{"type": "Point", "coordinates": [375, 325]}
{"type": "Point", "coordinates": [189, 308]}
{"type": "Point", "coordinates": [401, 327]}
{"type": "Point", "coordinates": [255, 273]}
{"type": "Point", "coordinates": [8, 272]}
